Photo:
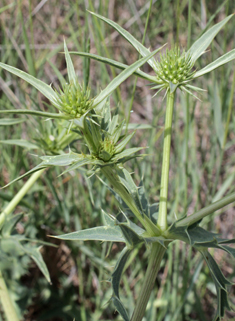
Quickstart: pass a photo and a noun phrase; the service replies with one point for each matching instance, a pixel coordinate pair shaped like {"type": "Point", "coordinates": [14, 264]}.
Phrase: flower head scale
{"type": "Point", "coordinates": [188, 58]}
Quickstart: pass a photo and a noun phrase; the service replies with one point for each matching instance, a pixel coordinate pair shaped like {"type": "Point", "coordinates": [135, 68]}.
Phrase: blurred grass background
{"type": "Point", "coordinates": [32, 34]}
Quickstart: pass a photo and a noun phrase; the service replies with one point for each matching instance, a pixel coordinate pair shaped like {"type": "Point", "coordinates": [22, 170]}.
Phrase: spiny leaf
{"type": "Point", "coordinates": [118, 270]}
{"type": "Point", "coordinates": [100, 233]}
{"type": "Point", "coordinates": [19, 142]}
{"type": "Point", "coordinates": [121, 77]}
{"type": "Point", "coordinates": [11, 121]}
{"type": "Point", "coordinates": [70, 68]}
{"type": "Point", "coordinates": [35, 254]}
{"type": "Point", "coordinates": [34, 113]}
{"type": "Point", "coordinates": [114, 63]}
{"type": "Point", "coordinates": [46, 90]}
{"type": "Point", "coordinates": [132, 238]}
{"type": "Point", "coordinates": [199, 46]}
{"type": "Point", "coordinates": [120, 308]}
{"type": "Point", "coordinates": [135, 43]}
{"type": "Point", "coordinates": [229, 56]}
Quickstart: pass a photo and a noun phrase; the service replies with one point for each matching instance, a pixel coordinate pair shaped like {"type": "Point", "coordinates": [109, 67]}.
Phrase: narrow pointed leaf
{"type": "Point", "coordinates": [70, 68]}
{"type": "Point", "coordinates": [229, 56]}
{"type": "Point", "coordinates": [218, 120]}
{"type": "Point", "coordinates": [77, 165]}
{"type": "Point", "coordinates": [34, 113]}
{"type": "Point", "coordinates": [118, 270]}
{"type": "Point", "coordinates": [200, 45]}
{"type": "Point", "coordinates": [19, 142]}
{"type": "Point", "coordinates": [11, 121]}
{"type": "Point", "coordinates": [121, 77]}
{"type": "Point", "coordinates": [135, 43]}
{"type": "Point", "coordinates": [35, 254]}
{"type": "Point", "coordinates": [132, 238]}
{"type": "Point", "coordinates": [45, 89]}
{"type": "Point", "coordinates": [60, 160]}
{"type": "Point", "coordinates": [114, 63]}
{"type": "Point", "coordinates": [100, 233]}
{"type": "Point", "coordinates": [120, 308]}
{"type": "Point", "coordinates": [123, 143]}
{"type": "Point", "coordinates": [127, 152]}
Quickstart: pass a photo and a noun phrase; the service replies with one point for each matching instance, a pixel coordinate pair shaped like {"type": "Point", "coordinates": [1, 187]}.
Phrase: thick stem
{"type": "Point", "coordinates": [18, 197]}
{"type": "Point", "coordinates": [162, 216]}
{"type": "Point", "coordinates": [156, 256]}
{"type": "Point", "coordinates": [6, 301]}
{"type": "Point", "coordinates": [114, 180]}
{"type": "Point", "coordinates": [191, 219]}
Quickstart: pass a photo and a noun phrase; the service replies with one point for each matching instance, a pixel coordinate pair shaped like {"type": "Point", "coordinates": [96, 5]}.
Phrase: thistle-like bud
{"type": "Point", "coordinates": [106, 150]}
{"type": "Point", "coordinates": [74, 99]}
{"type": "Point", "coordinates": [174, 67]}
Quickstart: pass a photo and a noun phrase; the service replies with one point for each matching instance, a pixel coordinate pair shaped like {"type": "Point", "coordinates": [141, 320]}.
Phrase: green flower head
{"type": "Point", "coordinates": [174, 67]}
{"type": "Point", "coordinates": [74, 100]}
{"type": "Point", "coordinates": [106, 150]}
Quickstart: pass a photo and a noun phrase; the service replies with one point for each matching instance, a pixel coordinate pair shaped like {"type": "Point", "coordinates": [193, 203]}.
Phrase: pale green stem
{"type": "Point", "coordinates": [162, 216]}
{"type": "Point", "coordinates": [119, 188]}
{"type": "Point", "coordinates": [191, 219]}
{"type": "Point", "coordinates": [18, 197]}
{"type": "Point", "coordinates": [6, 301]}
{"type": "Point", "coordinates": [155, 258]}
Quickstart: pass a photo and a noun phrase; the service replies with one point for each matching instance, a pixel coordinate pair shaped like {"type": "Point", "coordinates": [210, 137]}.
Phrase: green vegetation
{"type": "Point", "coordinates": [153, 189]}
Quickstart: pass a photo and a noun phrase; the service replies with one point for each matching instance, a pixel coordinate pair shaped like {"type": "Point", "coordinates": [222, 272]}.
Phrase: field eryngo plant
{"type": "Point", "coordinates": [90, 119]}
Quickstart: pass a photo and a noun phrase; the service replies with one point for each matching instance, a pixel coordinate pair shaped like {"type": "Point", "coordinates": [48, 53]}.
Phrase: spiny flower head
{"type": "Point", "coordinates": [106, 150]}
{"type": "Point", "coordinates": [174, 67]}
{"type": "Point", "coordinates": [74, 99]}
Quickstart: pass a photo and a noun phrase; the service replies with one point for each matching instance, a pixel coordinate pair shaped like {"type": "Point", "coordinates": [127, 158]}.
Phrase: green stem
{"type": "Point", "coordinates": [119, 188]}
{"type": "Point", "coordinates": [162, 217]}
{"type": "Point", "coordinates": [7, 302]}
{"type": "Point", "coordinates": [191, 219]}
{"type": "Point", "coordinates": [156, 256]}
{"type": "Point", "coordinates": [18, 197]}
{"type": "Point", "coordinates": [5, 299]}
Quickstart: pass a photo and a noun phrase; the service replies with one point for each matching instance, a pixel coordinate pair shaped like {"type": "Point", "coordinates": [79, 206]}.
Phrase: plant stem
{"type": "Point", "coordinates": [156, 256]}
{"type": "Point", "coordinates": [162, 217]}
{"type": "Point", "coordinates": [119, 188]}
{"type": "Point", "coordinates": [191, 219]}
{"type": "Point", "coordinates": [7, 302]}
{"type": "Point", "coordinates": [18, 197]}
{"type": "Point", "coordinates": [5, 299]}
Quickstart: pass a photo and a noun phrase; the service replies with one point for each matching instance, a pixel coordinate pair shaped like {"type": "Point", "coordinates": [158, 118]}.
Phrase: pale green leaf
{"type": "Point", "coordinates": [200, 45]}
{"type": "Point", "coordinates": [70, 68]}
{"type": "Point", "coordinates": [61, 160]}
{"type": "Point", "coordinates": [123, 143]}
{"type": "Point", "coordinates": [35, 254]}
{"type": "Point", "coordinates": [132, 238]}
{"type": "Point", "coordinates": [121, 77]}
{"type": "Point", "coordinates": [19, 142]}
{"type": "Point", "coordinates": [34, 113]}
{"type": "Point", "coordinates": [126, 152]}
{"type": "Point", "coordinates": [100, 233]}
{"type": "Point", "coordinates": [229, 56]}
{"type": "Point", "coordinates": [135, 43]}
{"type": "Point", "coordinates": [139, 126]}
{"type": "Point", "coordinates": [114, 63]}
{"type": "Point", "coordinates": [45, 89]}
{"type": "Point", "coordinates": [10, 121]}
